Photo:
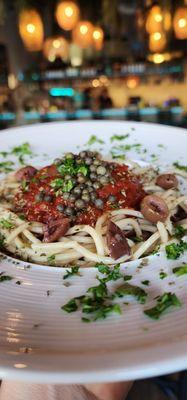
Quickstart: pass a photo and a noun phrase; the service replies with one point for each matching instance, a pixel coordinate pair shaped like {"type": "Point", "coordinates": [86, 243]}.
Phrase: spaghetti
{"type": "Point", "coordinates": [84, 210]}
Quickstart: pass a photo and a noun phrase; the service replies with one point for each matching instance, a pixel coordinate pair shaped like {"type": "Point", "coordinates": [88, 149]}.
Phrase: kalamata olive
{"type": "Point", "coordinates": [101, 170]}
{"type": "Point", "coordinates": [55, 229]}
{"type": "Point", "coordinates": [167, 181]}
{"type": "Point", "coordinates": [180, 214]}
{"type": "Point", "coordinates": [25, 173]}
{"type": "Point", "coordinates": [60, 207]}
{"type": "Point", "coordinates": [116, 241]}
{"type": "Point", "coordinates": [154, 208]}
{"type": "Point", "coordinates": [99, 203]}
{"type": "Point", "coordinates": [79, 203]}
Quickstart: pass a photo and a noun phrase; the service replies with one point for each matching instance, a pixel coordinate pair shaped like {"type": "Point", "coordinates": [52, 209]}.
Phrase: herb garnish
{"type": "Point", "coordinates": [111, 274]}
{"type": "Point", "coordinates": [146, 282]}
{"type": "Point", "coordinates": [6, 223]}
{"type": "Point", "coordinates": [73, 271]}
{"type": "Point", "coordinates": [4, 278]}
{"type": "Point", "coordinates": [162, 275]}
{"type": "Point", "coordinates": [119, 137]}
{"type": "Point", "coordinates": [51, 259]}
{"type": "Point", "coordinates": [5, 166]}
{"type": "Point", "coordinates": [181, 167]}
{"type": "Point", "coordinates": [94, 139]}
{"type": "Point", "coordinates": [179, 231]}
{"type": "Point", "coordinates": [127, 277]}
{"type": "Point", "coordinates": [174, 251]}
{"type": "Point", "coordinates": [179, 271]}
{"type": "Point", "coordinates": [21, 151]}
{"type": "Point", "coordinates": [130, 290]}
{"type": "Point", "coordinates": [164, 302]}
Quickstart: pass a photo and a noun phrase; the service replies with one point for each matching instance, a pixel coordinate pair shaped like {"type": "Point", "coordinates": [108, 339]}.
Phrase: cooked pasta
{"type": "Point", "coordinates": [83, 210]}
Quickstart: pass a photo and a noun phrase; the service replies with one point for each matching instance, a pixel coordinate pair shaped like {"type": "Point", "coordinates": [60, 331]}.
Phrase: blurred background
{"type": "Point", "coordinates": [101, 59]}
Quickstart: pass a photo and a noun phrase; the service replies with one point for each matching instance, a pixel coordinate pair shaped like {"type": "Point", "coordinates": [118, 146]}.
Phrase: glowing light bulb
{"type": "Point", "coordinates": [31, 28]}
{"type": "Point", "coordinates": [182, 22]}
{"type": "Point", "coordinates": [83, 29]}
{"type": "Point", "coordinates": [68, 11]}
{"type": "Point", "coordinates": [56, 44]}
{"type": "Point", "coordinates": [157, 35]}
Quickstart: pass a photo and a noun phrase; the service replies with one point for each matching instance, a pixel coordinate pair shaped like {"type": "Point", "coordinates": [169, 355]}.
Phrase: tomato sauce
{"type": "Point", "coordinates": [126, 187]}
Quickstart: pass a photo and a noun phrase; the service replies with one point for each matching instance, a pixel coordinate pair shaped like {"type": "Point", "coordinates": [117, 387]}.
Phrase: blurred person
{"type": "Point", "coordinates": [87, 99]}
{"type": "Point", "coordinates": [28, 391]}
{"type": "Point", "coordinates": [105, 100]}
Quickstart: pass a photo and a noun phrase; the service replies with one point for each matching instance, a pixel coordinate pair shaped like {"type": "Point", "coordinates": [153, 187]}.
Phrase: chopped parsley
{"type": "Point", "coordinates": [57, 183]}
{"type": "Point", "coordinates": [164, 302]}
{"type": "Point", "coordinates": [179, 271]}
{"type": "Point", "coordinates": [162, 275]}
{"type": "Point", "coordinates": [181, 167]}
{"type": "Point", "coordinates": [130, 290]}
{"type": "Point", "coordinates": [68, 186]}
{"type": "Point", "coordinates": [83, 169]}
{"type": "Point", "coordinates": [105, 310]}
{"type": "Point", "coordinates": [60, 185]}
{"type": "Point", "coordinates": [21, 151]}
{"type": "Point", "coordinates": [94, 139]}
{"type": "Point", "coordinates": [119, 156]}
{"type": "Point", "coordinates": [174, 251]}
{"type": "Point", "coordinates": [127, 277]}
{"type": "Point", "coordinates": [112, 274]}
{"type": "Point", "coordinates": [4, 153]}
{"type": "Point", "coordinates": [6, 224]}
{"type": "Point", "coordinates": [4, 278]}
{"type": "Point", "coordinates": [146, 282]}
{"type": "Point", "coordinates": [179, 231]}
{"type": "Point", "coordinates": [6, 166]}
{"type": "Point", "coordinates": [69, 167]}
{"type": "Point", "coordinates": [119, 137]}
{"type": "Point", "coordinates": [71, 306]}
{"type": "Point", "coordinates": [51, 259]}
{"type": "Point", "coordinates": [73, 271]}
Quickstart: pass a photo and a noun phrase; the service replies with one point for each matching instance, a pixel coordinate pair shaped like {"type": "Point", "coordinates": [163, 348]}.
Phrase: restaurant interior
{"type": "Point", "coordinates": [123, 60]}
{"type": "Point", "coordinates": [96, 59]}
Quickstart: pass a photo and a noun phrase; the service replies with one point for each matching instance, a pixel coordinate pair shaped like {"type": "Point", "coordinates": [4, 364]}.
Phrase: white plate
{"type": "Point", "coordinates": [38, 341]}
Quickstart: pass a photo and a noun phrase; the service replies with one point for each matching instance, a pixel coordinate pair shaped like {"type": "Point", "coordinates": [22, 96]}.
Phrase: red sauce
{"type": "Point", "coordinates": [127, 189]}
